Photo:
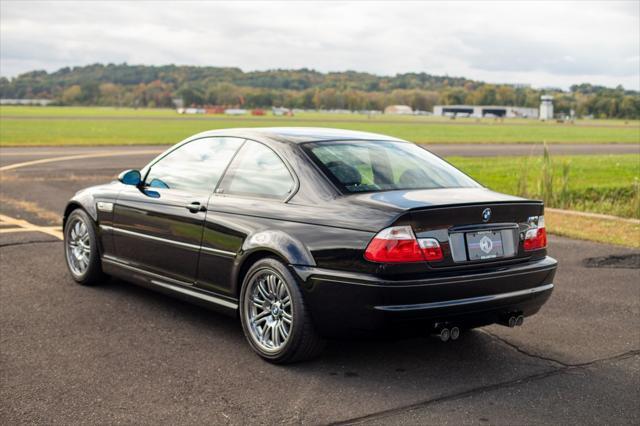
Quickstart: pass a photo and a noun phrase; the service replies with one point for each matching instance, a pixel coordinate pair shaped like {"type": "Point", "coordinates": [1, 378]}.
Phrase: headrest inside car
{"type": "Point", "coordinates": [346, 174]}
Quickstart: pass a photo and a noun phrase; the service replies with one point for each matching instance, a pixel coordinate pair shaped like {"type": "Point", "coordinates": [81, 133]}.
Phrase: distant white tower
{"type": "Point", "coordinates": [546, 107]}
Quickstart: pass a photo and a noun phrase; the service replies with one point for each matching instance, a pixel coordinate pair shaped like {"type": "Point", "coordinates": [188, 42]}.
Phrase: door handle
{"type": "Point", "coordinates": [196, 207]}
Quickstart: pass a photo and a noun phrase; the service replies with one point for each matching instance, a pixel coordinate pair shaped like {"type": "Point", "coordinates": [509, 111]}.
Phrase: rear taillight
{"type": "Point", "coordinates": [536, 236]}
{"type": "Point", "coordinates": [398, 244]}
{"type": "Point", "coordinates": [430, 249]}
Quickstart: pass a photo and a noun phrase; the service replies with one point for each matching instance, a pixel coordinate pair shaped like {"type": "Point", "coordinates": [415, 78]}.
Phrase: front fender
{"type": "Point", "coordinates": [88, 199]}
{"type": "Point", "coordinates": [82, 200]}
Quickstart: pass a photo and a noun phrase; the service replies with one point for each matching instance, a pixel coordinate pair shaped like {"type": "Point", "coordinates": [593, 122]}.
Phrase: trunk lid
{"type": "Point", "coordinates": [463, 230]}
{"type": "Point", "coordinates": [460, 219]}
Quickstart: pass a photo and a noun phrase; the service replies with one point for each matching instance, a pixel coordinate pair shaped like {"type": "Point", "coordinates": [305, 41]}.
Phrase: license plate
{"type": "Point", "coordinates": [484, 245]}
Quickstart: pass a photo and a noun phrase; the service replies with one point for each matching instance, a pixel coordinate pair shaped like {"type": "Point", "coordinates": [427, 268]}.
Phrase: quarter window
{"type": "Point", "coordinates": [257, 171]}
{"type": "Point", "coordinates": [195, 166]}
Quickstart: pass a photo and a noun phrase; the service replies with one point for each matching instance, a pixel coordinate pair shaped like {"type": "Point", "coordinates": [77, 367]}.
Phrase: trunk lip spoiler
{"type": "Point", "coordinates": [473, 204]}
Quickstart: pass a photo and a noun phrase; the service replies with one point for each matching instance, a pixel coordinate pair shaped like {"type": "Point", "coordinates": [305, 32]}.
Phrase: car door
{"type": "Point", "coordinates": [158, 226]}
{"type": "Point", "coordinates": [256, 182]}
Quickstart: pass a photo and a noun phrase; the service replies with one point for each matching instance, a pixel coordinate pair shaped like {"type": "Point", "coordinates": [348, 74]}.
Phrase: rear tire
{"type": "Point", "coordinates": [274, 317]}
{"type": "Point", "coordinates": [81, 249]}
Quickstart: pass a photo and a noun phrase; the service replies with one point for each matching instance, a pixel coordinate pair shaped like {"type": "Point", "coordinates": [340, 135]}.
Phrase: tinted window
{"type": "Point", "coordinates": [196, 166]}
{"type": "Point", "coordinates": [360, 166]}
{"type": "Point", "coordinates": [258, 171]}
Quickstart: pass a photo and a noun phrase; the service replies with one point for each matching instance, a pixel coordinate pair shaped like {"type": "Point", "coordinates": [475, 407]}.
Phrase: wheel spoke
{"type": "Point", "coordinates": [271, 284]}
{"type": "Point", "coordinates": [263, 334]}
{"type": "Point", "coordinates": [268, 335]}
{"type": "Point", "coordinates": [279, 289]}
{"type": "Point", "coordinates": [283, 331]}
{"type": "Point", "coordinates": [262, 314]}
{"type": "Point", "coordinates": [262, 290]}
{"type": "Point", "coordinates": [274, 335]}
{"type": "Point", "coordinates": [260, 320]}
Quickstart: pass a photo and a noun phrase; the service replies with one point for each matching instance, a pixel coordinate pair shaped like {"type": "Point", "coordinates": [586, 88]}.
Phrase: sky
{"type": "Point", "coordinates": [542, 43]}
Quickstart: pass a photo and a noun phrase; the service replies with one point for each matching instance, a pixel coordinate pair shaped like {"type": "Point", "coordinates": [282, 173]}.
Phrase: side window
{"type": "Point", "coordinates": [195, 166]}
{"type": "Point", "coordinates": [257, 171]}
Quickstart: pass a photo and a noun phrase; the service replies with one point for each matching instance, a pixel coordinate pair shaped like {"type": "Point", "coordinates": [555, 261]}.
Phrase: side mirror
{"type": "Point", "coordinates": [130, 177]}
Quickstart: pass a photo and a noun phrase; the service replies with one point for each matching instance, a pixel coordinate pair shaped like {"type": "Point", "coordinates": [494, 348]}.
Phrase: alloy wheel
{"type": "Point", "coordinates": [78, 244]}
{"type": "Point", "coordinates": [268, 310]}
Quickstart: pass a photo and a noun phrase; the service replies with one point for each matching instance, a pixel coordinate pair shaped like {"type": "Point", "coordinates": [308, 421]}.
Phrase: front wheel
{"type": "Point", "coordinates": [81, 249]}
{"type": "Point", "coordinates": [274, 317]}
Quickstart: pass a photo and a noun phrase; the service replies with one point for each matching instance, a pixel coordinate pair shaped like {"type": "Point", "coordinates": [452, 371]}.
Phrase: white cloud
{"type": "Point", "coordinates": [541, 43]}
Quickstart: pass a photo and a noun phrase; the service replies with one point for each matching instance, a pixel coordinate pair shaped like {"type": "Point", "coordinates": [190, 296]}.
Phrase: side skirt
{"type": "Point", "coordinates": [184, 291]}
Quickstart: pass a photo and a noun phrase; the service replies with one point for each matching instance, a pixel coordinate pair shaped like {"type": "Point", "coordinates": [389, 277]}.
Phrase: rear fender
{"type": "Point", "coordinates": [271, 242]}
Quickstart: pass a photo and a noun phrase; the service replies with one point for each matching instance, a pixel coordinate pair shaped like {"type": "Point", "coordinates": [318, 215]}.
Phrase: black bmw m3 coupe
{"type": "Point", "coordinates": [308, 234]}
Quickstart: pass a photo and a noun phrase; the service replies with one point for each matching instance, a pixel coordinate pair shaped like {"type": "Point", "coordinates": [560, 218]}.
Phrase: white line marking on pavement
{"type": "Point", "coordinates": [76, 157]}
{"type": "Point", "coordinates": [25, 226]}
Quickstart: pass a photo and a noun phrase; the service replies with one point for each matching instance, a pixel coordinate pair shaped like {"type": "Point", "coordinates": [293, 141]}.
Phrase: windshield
{"type": "Point", "coordinates": [368, 166]}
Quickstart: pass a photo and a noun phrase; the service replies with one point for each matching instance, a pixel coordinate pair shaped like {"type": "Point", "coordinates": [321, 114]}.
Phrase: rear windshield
{"type": "Point", "coordinates": [370, 166]}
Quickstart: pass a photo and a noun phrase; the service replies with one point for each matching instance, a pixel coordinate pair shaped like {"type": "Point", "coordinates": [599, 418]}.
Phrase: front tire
{"type": "Point", "coordinates": [81, 249]}
{"type": "Point", "coordinates": [274, 317]}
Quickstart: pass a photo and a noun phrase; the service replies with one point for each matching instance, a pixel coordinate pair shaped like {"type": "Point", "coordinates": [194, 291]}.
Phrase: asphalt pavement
{"type": "Point", "coordinates": [117, 353]}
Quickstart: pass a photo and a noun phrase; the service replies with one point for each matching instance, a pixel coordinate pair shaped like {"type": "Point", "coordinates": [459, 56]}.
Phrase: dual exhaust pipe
{"type": "Point", "coordinates": [514, 319]}
{"type": "Point", "coordinates": [444, 333]}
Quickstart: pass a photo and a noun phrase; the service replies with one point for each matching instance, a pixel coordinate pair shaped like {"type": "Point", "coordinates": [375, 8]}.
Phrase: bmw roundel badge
{"type": "Point", "coordinates": [486, 215]}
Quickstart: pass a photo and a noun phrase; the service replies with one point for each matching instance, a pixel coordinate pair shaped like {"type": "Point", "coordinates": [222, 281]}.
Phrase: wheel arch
{"type": "Point", "coordinates": [74, 205]}
{"type": "Point", "coordinates": [84, 200]}
{"type": "Point", "coordinates": [269, 244]}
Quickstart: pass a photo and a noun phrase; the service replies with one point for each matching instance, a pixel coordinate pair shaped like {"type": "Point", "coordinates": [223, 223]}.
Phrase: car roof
{"type": "Point", "coordinates": [297, 134]}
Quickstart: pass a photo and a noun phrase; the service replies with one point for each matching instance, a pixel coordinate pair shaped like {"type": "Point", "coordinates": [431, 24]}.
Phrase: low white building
{"type": "Point", "coordinates": [398, 110]}
{"type": "Point", "coordinates": [479, 111]}
{"type": "Point", "coordinates": [41, 102]}
{"type": "Point", "coordinates": [191, 111]}
{"type": "Point", "coordinates": [235, 111]}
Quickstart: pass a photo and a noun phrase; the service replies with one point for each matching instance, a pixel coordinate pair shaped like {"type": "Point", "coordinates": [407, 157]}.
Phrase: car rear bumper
{"type": "Point", "coordinates": [342, 302]}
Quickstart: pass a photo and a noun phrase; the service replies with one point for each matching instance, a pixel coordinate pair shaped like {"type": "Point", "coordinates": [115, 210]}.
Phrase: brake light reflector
{"type": "Point", "coordinates": [398, 244]}
{"type": "Point", "coordinates": [430, 249]}
{"type": "Point", "coordinates": [536, 237]}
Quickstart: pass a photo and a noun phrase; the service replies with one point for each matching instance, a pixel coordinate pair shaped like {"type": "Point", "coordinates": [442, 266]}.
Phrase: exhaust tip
{"type": "Point", "coordinates": [520, 320]}
{"type": "Point", "coordinates": [455, 333]}
{"type": "Point", "coordinates": [445, 334]}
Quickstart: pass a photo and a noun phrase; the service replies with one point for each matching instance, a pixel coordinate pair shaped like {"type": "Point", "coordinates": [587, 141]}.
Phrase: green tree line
{"type": "Point", "coordinates": [157, 86]}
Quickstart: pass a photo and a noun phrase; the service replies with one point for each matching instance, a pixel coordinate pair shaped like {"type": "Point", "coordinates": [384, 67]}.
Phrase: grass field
{"type": "Point", "coordinates": [37, 126]}
{"type": "Point", "coordinates": [605, 184]}
{"type": "Point", "coordinates": [603, 230]}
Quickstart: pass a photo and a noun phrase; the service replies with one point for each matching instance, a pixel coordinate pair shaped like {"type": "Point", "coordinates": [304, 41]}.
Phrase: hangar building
{"type": "Point", "coordinates": [485, 111]}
